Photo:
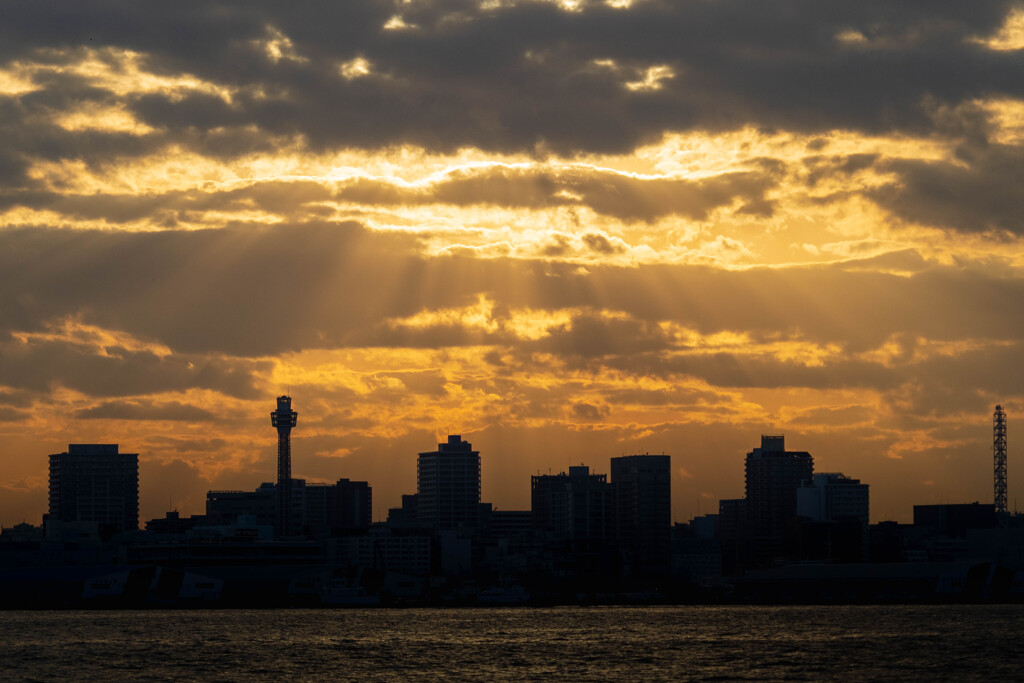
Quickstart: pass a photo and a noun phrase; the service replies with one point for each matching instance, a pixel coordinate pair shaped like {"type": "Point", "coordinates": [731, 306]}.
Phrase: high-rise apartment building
{"type": "Point", "coordinates": [577, 505]}
{"type": "Point", "coordinates": [839, 506]}
{"type": "Point", "coordinates": [350, 505]}
{"type": "Point", "coordinates": [830, 497]}
{"type": "Point", "coordinates": [642, 488]}
{"type": "Point", "coordinates": [773, 476]}
{"type": "Point", "coordinates": [448, 485]}
{"type": "Point", "coordinates": [95, 483]}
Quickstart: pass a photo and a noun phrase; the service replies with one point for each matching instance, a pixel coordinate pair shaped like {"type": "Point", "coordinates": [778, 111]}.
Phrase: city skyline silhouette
{"type": "Point", "coordinates": [796, 535]}
{"type": "Point", "coordinates": [599, 339]}
{"type": "Point", "coordinates": [565, 230]}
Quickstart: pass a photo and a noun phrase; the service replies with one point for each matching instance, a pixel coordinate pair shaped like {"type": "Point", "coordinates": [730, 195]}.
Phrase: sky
{"type": "Point", "coordinates": [566, 230]}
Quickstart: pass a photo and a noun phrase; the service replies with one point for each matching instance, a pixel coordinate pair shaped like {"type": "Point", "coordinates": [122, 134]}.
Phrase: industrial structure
{"type": "Point", "coordinates": [999, 460]}
{"type": "Point", "coordinates": [283, 419]}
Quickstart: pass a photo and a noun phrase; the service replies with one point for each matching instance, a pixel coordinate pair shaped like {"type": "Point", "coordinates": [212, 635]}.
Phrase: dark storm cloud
{"type": "Point", "coordinates": [40, 365]}
{"type": "Point", "coordinates": [590, 336]}
{"type": "Point", "coordinates": [211, 290]}
{"type": "Point", "coordinates": [29, 132]}
{"type": "Point", "coordinates": [736, 370]}
{"type": "Point", "coordinates": [255, 290]}
{"type": "Point", "coordinates": [284, 198]}
{"type": "Point", "coordinates": [981, 191]}
{"type": "Point", "coordinates": [916, 389]}
{"type": "Point", "coordinates": [530, 76]}
{"type": "Point", "coordinates": [969, 383]}
{"type": "Point", "coordinates": [145, 410]}
{"type": "Point", "coordinates": [588, 411]}
{"type": "Point", "coordinates": [613, 194]}
{"type": "Point", "coordinates": [15, 399]}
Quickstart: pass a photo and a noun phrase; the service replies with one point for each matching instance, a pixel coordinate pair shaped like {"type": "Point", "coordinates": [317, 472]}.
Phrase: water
{"type": "Point", "coordinates": [597, 643]}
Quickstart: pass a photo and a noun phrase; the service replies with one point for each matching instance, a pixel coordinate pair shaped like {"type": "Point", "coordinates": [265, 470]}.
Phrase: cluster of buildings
{"type": "Point", "coordinates": [790, 513]}
{"type": "Point", "coordinates": [586, 535]}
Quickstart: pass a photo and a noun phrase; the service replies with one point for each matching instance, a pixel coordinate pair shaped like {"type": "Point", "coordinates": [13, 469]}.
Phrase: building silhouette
{"type": "Point", "coordinates": [448, 486]}
{"type": "Point", "coordinates": [835, 510]}
{"type": "Point", "coordinates": [955, 519]}
{"type": "Point", "coordinates": [642, 491]}
{"type": "Point", "coordinates": [225, 507]}
{"type": "Point", "coordinates": [576, 505]}
{"type": "Point", "coordinates": [318, 510]}
{"type": "Point", "coordinates": [350, 506]}
{"type": "Point", "coordinates": [773, 476]}
{"type": "Point", "coordinates": [830, 496]}
{"type": "Point", "coordinates": [95, 483]}
{"type": "Point", "coordinates": [733, 534]}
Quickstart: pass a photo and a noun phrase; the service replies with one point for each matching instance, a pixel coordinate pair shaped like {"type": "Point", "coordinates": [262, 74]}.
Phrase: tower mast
{"type": "Point", "coordinates": [999, 459]}
{"type": "Point", "coordinates": [284, 418]}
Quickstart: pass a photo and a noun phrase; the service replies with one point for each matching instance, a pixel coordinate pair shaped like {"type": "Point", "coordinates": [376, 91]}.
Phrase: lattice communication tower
{"type": "Point", "coordinates": [999, 458]}
{"type": "Point", "coordinates": [283, 419]}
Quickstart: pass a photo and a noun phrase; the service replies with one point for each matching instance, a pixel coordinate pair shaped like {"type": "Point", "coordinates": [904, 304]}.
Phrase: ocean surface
{"type": "Point", "coordinates": [954, 643]}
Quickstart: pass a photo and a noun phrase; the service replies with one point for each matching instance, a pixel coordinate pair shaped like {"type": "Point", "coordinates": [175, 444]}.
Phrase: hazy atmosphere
{"type": "Point", "coordinates": [564, 230]}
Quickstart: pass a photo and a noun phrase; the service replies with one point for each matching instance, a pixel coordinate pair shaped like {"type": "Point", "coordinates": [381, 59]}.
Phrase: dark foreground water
{"type": "Point", "coordinates": [598, 643]}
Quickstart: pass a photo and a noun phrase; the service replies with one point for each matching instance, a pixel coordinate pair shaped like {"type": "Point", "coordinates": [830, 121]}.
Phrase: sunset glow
{"type": "Point", "coordinates": [513, 221]}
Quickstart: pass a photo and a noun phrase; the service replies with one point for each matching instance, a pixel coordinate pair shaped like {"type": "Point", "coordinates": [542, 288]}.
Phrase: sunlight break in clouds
{"type": "Point", "coordinates": [563, 229]}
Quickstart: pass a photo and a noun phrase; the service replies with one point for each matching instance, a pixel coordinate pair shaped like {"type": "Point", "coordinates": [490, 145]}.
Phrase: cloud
{"type": "Point", "coordinates": [618, 195]}
{"type": "Point", "coordinates": [555, 229]}
{"type": "Point", "coordinates": [255, 291]}
{"type": "Point", "coordinates": [588, 411]}
{"type": "Point", "coordinates": [41, 365]}
{"type": "Point", "coordinates": [977, 192]}
{"type": "Point", "coordinates": [529, 76]}
{"type": "Point", "coordinates": [145, 410]}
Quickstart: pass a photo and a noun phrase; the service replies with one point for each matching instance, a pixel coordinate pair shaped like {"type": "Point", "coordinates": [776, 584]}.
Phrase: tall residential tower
{"type": "Point", "coordinates": [95, 483]}
{"type": "Point", "coordinates": [773, 476]}
{"type": "Point", "coordinates": [642, 489]}
{"type": "Point", "coordinates": [448, 485]}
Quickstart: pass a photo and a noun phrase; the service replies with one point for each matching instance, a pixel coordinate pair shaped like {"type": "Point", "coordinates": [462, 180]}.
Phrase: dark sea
{"type": "Point", "coordinates": [952, 643]}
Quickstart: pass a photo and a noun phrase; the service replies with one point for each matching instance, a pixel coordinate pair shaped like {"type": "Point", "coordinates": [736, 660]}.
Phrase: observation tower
{"type": "Point", "coordinates": [999, 460]}
{"type": "Point", "coordinates": [283, 419]}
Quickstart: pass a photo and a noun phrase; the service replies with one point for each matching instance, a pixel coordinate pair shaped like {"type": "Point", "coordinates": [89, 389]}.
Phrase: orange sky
{"type": "Point", "coordinates": [566, 230]}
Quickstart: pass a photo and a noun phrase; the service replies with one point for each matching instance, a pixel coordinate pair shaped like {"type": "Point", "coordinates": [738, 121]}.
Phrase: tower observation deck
{"type": "Point", "coordinates": [283, 419]}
